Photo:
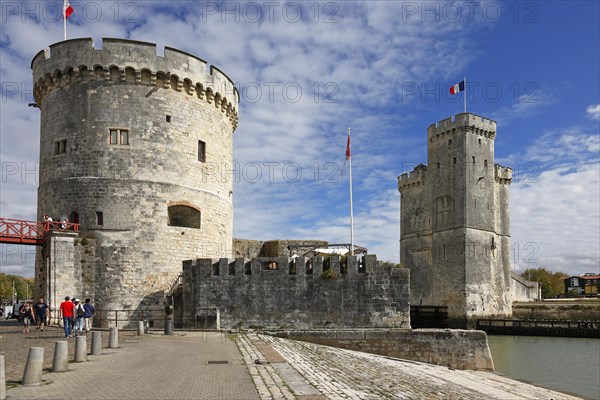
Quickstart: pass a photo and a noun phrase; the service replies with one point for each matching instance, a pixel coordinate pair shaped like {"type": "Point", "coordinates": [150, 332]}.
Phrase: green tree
{"type": "Point", "coordinates": [550, 282]}
{"type": "Point", "coordinates": [390, 264]}
{"type": "Point", "coordinates": [21, 284]}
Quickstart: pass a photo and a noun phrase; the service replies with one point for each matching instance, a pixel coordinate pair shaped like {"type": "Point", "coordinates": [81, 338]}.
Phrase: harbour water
{"type": "Point", "coordinates": [566, 364]}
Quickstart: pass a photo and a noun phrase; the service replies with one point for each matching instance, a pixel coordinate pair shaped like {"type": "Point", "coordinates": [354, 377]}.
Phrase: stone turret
{"type": "Point", "coordinates": [129, 140]}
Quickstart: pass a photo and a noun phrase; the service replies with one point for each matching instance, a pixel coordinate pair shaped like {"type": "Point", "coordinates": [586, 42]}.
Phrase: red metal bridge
{"type": "Point", "coordinates": [34, 233]}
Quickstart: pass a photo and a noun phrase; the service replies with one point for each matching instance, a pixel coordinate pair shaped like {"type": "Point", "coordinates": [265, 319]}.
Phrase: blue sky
{"type": "Point", "coordinates": [308, 71]}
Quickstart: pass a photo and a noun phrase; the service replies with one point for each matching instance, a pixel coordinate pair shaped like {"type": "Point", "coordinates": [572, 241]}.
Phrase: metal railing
{"type": "Point", "coordinates": [30, 232]}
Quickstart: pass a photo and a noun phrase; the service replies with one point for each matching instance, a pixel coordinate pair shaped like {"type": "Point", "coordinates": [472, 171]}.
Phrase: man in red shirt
{"type": "Point", "coordinates": [66, 311]}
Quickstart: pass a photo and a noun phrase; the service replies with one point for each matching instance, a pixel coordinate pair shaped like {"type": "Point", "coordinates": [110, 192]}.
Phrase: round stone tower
{"type": "Point", "coordinates": [134, 147]}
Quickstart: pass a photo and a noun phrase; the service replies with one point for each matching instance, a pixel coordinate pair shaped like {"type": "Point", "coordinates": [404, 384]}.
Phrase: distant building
{"type": "Point", "coordinates": [585, 284]}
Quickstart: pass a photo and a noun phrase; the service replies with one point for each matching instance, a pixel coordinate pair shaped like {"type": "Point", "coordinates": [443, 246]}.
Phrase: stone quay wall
{"type": "Point", "coordinates": [456, 348]}
{"type": "Point", "coordinates": [278, 292]}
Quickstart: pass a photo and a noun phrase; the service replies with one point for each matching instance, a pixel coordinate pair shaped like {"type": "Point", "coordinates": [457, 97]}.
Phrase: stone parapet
{"type": "Point", "coordinates": [502, 175]}
{"type": "Point", "coordinates": [413, 179]}
{"type": "Point", "coordinates": [461, 123]}
{"type": "Point", "coordinates": [133, 62]}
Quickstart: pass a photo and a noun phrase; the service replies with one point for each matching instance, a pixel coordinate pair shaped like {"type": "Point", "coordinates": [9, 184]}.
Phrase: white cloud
{"type": "Point", "coordinates": [359, 60]}
{"type": "Point", "coordinates": [593, 111]}
{"type": "Point", "coordinates": [555, 203]}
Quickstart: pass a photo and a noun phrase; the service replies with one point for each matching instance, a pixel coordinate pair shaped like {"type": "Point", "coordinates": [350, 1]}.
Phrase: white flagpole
{"type": "Point", "coordinates": [65, 18]}
{"type": "Point", "coordinates": [465, 94]}
{"type": "Point", "coordinates": [351, 210]}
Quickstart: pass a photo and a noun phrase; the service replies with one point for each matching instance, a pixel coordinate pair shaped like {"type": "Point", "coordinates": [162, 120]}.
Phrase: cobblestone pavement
{"type": "Point", "coordinates": [196, 365]}
{"type": "Point", "coordinates": [346, 374]}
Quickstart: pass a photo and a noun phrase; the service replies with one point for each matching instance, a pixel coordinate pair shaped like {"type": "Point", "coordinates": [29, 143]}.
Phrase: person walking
{"type": "Point", "coordinates": [66, 313]}
{"type": "Point", "coordinates": [42, 313]}
{"type": "Point", "coordinates": [78, 313]}
{"type": "Point", "coordinates": [90, 310]}
{"type": "Point", "coordinates": [27, 316]}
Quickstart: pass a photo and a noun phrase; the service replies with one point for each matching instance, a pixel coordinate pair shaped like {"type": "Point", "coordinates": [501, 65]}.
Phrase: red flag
{"type": "Point", "coordinates": [68, 9]}
{"type": "Point", "coordinates": [348, 147]}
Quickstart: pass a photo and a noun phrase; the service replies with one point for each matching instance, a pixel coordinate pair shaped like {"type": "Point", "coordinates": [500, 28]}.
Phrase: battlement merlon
{"type": "Point", "coordinates": [502, 175]}
{"type": "Point", "coordinates": [414, 178]}
{"type": "Point", "coordinates": [460, 122]}
{"type": "Point", "coordinates": [122, 53]}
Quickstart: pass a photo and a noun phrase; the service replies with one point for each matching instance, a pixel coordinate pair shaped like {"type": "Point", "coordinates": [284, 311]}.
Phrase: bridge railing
{"type": "Point", "coordinates": [30, 232]}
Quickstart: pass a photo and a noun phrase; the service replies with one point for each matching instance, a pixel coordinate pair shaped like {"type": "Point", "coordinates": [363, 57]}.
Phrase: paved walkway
{"type": "Point", "coordinates": [218, 366]}
{"type": "Point", "coordinates": [156, 367]}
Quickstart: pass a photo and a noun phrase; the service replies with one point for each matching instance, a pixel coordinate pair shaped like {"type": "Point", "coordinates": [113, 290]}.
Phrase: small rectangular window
{"type": "Point", "coordinates": [118, 136]}
{"type": "Point", "coordinates": [449, 142]}
{"type": "Point", "coordinates": [479, 141]}
{"type": "Point", "coordinates": [485, 163]}
{"type": "Point", "coordinates": [201, 151]}
{"type": "Point", "coordinates": [473, 160]}
{"type": "Point", "coordinates": [99, 218]}
{"type": "Point", "coordinates": [60, 147]}
{"type": "Point", "coordinates": [454, 160]}
{"type": "Point", "coordinates": [114, 137]}
{"type": "Point", "coordinates": [168, 118]}
{"type": "Point", "coordinates": [125, 137]}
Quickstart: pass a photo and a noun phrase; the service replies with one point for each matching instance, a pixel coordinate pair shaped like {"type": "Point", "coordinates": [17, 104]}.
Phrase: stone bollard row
{"type": "Point", "coordinates": [60, 362]}
{"type": "Point", "coordinates": [113, 338]}
{"type": "Point", "coordinates": [32, 376]}
{"type": "Point", "coordinates": [2, 379]}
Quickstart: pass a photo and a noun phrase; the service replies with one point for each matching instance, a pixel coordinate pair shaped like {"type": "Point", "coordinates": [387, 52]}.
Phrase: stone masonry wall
{"type": "Point", "coordinates": [246, 293]}
{"type": "Point", "coordinates": [455, 233]}
{"type": "Point", "coordinates": [120, 193]}
{"type": "Point", "coordinates": [460, 349]}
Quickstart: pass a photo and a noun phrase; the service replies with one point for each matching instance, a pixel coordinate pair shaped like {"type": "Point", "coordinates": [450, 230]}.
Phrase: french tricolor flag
{"type": "Point", "coordinates": [459, 87]}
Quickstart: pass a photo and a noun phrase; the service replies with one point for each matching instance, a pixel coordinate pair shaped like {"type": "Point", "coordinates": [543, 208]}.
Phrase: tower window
{"type": "Point", "coordinates": [201, 151]}
{"type": "Point", "coordinates": [438, 165]}
{"type": "Point", "coordinates": [60, 147]}
{"type": "Point", "coordinates": [118, 136]}
{"type": "Point", "coordinates": [449, 142]}
{"type": "Point", "coordinates": [454, 160]}
{"type": "Point", "coordinates": [168, 118]}
{"type": "Point", "coordinates": [184, 216]}
{"type": "Point", "coordinates": [99, 218]}
{"type": "Point", "coordinates": [485, 163]}
{"type": "Point", "coordinates": [473, 160]}
{"type": "Point", "coordinates": [479, 141]}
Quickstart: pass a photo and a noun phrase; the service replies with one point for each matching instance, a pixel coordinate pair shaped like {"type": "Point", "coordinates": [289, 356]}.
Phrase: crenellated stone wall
{"type": "Point", "coordinates": [279, 292]}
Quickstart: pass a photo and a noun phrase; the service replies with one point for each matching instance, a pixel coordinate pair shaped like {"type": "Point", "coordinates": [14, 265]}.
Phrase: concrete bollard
{"type": "Point", "coordinates": [169, 327]}
{"type": "Point", "coordinates": [80, 349]}
{"type": "Point", "coordinates": [60, 362]}
{"type": "Point", "coordinates": [2, 379]}
{"type": "Point", "coordinates": [32, 376]}
{"type": "Point", "coordinates": [96, 343]}
{"type": "Point", "coordinates": [113, 338]}
{"type": "Point", "coordinates": [140, 328]}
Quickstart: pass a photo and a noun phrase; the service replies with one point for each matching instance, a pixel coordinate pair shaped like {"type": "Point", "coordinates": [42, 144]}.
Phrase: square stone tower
{"type": "Point", "coordinates": [454, 223]}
